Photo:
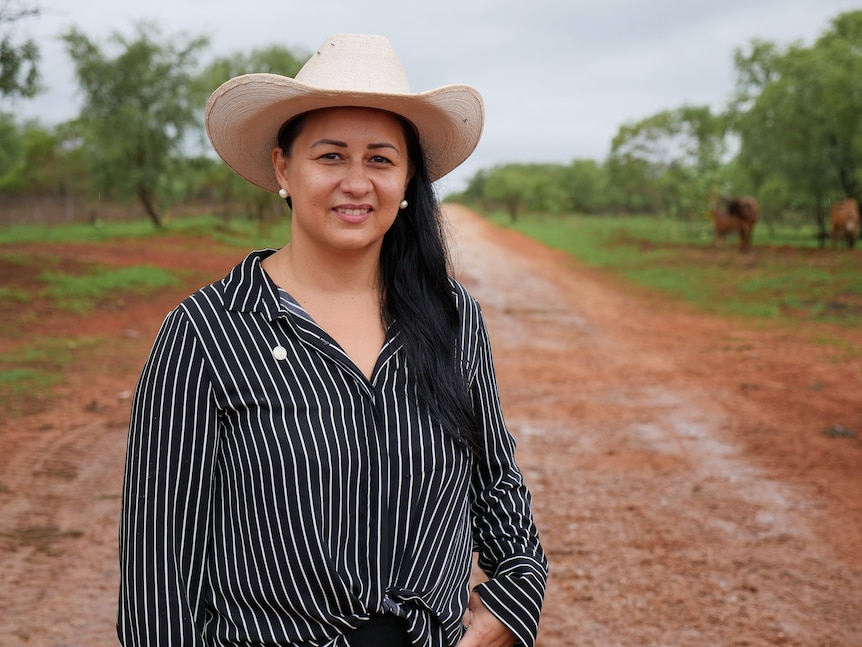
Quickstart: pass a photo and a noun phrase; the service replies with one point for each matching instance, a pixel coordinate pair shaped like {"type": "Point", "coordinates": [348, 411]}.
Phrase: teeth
{"type": "Point", "coordinates": [353, 212]}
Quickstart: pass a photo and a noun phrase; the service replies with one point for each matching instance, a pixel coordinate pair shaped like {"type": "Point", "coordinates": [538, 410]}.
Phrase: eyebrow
{"type": "Point", "coordinates": [341, 144]}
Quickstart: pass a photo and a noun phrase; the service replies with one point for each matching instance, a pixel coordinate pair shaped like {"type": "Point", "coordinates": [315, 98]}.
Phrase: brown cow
{"type": "Point", "coordinates": [735, 215]}
{"type": "Point", "coordinates": [844, 216]}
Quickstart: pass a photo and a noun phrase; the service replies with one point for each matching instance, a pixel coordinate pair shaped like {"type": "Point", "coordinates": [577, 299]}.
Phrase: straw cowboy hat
{"type": "Point", "coordinates": [243, 116]}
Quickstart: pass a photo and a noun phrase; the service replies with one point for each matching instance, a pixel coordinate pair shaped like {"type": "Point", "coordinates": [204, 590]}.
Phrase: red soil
{"type": "Point", "coordinates": [697, 481]}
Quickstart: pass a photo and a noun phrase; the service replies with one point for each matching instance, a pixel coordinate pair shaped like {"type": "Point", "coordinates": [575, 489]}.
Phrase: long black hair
{"type": "Point", "coordinates": [418, 297]}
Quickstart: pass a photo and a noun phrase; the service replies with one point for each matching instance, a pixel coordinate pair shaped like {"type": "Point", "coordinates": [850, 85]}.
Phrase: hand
{"type": "Point", "coordinates": [483, 628]}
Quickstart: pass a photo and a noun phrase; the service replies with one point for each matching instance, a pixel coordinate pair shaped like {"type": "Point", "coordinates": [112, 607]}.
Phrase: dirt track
{"type": "Point", "coordinates": [684, 486]}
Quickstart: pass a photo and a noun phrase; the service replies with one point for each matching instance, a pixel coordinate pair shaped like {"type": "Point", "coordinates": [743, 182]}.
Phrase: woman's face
{"type": "Point", "coordinates": [346, 174]}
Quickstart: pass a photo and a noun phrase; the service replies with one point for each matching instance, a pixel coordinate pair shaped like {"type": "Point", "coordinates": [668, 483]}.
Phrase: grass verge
{"type": "Point", "coordinates": [79, 294]}
{"type": "Point", "coordinates": [238, 232]}
{"type": "Point", "coordinates": [28, 373]}
{"type": "Point", "coordinates": [774, 282]}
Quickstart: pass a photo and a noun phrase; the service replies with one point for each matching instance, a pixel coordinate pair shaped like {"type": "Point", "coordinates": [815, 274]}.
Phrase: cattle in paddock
{"type": "Point", "coordinates": [737, 216]}
{"type": "Point", "coordinates": [844, 220]}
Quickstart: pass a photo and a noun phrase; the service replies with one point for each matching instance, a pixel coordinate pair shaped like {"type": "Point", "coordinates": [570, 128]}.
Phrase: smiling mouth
{"type": "Point", "coordinates": [354, 212]}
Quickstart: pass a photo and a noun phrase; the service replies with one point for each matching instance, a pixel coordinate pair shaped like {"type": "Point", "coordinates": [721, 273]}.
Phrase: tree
{"type": "Point", "coordinates": [539, 188]}
{"type": "Point", "coordinates": [39, 162]}
{"type": "Point", "coordinates": [227, 187]}
{"type": "Point", "coordinates": [840, 46]}
{"type": "Point", "coordinates": [139, 108]}
{"type": "Point", "coordinates": [11, 147]}
{"type": "Point", "coordinates": [536, 188]}
{"type": "Point", "coordinates": [798, 113]}
{"type": "Point", "coordinates": [475, 191]}
{"type": "Point", "coordinates": [586, 184]}
{"type": "Point", "coordinates": [674, 158]}
{"type": "Point", "coordinates": [509, 187]}
{"type": "Point", "coordinates": [19, 72]}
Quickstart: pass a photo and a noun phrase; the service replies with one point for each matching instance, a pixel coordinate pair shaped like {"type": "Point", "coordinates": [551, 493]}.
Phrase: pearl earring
{"type": "Point", "coordinates": [403, 204]}
{"type": "Point", "coordinates": [282, 193]}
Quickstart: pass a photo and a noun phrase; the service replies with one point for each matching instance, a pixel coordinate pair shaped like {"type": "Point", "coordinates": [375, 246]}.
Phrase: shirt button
{"type": "Point", "coordinates": [279, 352]}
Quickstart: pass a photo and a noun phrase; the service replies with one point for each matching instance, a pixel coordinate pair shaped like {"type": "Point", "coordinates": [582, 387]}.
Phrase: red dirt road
{"type": "Point", "coordinates": [696, 481]}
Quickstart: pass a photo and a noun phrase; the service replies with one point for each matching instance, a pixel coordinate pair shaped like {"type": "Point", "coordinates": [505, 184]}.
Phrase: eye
{"type": "Point", "coordinates": [330, 156]}
{"type": "Point", "coordinates": [380, 159]}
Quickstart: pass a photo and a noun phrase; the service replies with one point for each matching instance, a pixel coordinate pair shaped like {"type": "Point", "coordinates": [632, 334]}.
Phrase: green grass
{"type": "Point", "coordinates": [33, 367]}
{"type": "Point", "coordinates": [786, 277]}
{"type": "Point", "coordinates": [239, 232]}
{"type": "Point", "coordinates": [80, 293]}
{"type": "Point", "coordinates": [27, 373]}
{"type": "Point", "coordinates": [79, 233]}
{"type": "Point", "coordinates": [13, 295]}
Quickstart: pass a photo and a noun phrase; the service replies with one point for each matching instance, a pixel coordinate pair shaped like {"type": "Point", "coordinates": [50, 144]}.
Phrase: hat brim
{"type": "Point", "coordinates": [243, 117]}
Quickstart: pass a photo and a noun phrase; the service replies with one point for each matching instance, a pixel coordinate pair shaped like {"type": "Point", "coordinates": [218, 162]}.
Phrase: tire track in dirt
{"type": "Point", "coordinates": [58, 529]}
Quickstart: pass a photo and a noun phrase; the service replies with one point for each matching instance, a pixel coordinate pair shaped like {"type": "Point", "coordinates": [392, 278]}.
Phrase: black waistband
{"type": "Point", "coordinates": [380, 630]}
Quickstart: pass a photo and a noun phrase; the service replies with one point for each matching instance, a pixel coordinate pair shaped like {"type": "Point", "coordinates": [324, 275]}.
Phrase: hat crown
{"type": "Point", "coordinates": [244, 114]}
{"type": "Point", "coordinates": [355, 63]}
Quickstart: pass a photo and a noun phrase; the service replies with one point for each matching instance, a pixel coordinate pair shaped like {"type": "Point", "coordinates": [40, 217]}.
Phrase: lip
{"type": "Point", "coordinates": [353, 213]}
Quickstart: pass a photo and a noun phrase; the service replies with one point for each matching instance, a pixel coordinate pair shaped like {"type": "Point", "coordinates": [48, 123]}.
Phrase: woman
{"type": "Point", "coordinates": [316, 445]}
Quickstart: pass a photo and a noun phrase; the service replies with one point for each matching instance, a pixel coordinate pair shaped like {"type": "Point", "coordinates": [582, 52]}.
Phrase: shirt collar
{"type": "Point", "coordinates": [248, 288]}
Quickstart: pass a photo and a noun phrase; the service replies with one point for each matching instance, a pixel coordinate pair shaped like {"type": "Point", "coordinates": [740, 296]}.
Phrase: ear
{"type": "Point", "coordinates": [279, 164]}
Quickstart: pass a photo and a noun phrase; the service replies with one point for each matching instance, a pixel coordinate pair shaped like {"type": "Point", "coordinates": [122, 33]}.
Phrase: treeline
{"type": "Point", "coordinates": [791, 135]}
{"type": "Point", "coordinates": [138, 140]}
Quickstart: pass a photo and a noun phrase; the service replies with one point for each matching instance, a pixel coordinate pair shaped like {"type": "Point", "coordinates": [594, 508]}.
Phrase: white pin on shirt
{"type": "Point", "coordinates": [279, 352]}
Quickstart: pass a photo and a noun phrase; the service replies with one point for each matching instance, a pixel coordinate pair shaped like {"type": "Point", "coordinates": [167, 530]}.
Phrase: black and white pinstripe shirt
{"type": "Point", "coordinates": [275, 496]}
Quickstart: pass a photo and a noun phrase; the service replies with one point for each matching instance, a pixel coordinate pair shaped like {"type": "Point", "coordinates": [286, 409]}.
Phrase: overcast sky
{"type": "Point", "coordinates": [559, 77]}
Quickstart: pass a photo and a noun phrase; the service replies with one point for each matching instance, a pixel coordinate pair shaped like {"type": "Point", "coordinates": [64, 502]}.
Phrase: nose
{"type": "Point", "coordinates": [356, 181]}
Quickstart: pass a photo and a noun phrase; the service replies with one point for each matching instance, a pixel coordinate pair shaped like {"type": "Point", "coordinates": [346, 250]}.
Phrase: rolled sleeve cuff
{"type": "Point", "coordinates": [515, 597]}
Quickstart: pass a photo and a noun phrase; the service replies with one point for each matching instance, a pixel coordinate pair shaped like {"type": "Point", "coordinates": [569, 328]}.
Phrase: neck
{"type": "Point", "coordinates": [295, 267]}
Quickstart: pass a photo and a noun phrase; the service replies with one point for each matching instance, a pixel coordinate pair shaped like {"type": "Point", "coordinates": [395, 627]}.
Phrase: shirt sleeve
{"type": "Point", "coordinates": [505, 534]}
{"type": "Point", "coordinates": [167, 494]}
